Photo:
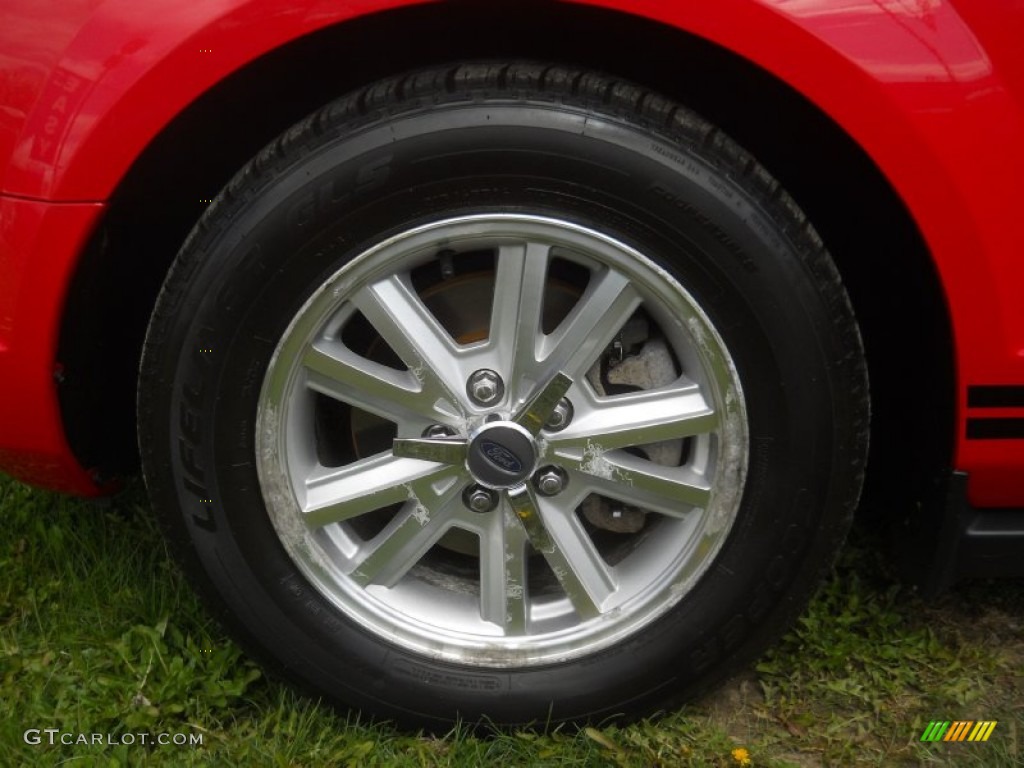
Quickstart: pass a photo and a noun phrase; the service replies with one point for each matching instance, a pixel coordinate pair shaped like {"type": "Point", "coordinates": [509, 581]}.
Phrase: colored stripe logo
{"type": "Point", "coordinates": [959, 730]}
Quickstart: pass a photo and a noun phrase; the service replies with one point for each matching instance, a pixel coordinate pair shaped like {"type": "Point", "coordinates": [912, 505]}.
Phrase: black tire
{"type": "Point", "coordinates": [542, 144]}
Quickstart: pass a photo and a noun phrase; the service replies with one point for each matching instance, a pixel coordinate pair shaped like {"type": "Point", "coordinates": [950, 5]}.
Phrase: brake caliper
{"type": "Point", "coordinates": [633, 361]}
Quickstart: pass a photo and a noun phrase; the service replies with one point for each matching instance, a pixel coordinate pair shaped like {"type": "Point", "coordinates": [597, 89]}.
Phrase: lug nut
{"type": "Point", "coordinates": [549, 481]}
{"type": "Point", "coordinates": [438, 430]}
{"type": "Point", "coordinates": [560, 416]}
{"type": "Point", "coordinates": [485, 387]}
{"type": "Point", "coordinates": [480, 499]}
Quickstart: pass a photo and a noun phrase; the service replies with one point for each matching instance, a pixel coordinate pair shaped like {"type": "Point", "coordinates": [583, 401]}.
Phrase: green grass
{"type": "Point", "coordinates": [100, 634]}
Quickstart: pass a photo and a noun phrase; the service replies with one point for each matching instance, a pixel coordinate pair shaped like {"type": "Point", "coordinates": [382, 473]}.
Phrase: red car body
{"type": "Point", "coordinates": [929, 93]}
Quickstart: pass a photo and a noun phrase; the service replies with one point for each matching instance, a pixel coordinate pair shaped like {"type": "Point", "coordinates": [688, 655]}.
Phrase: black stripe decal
{"type": "Point", "coordinates": [995, 429]}
{"type": "Point", "coordinates": [995, 397]}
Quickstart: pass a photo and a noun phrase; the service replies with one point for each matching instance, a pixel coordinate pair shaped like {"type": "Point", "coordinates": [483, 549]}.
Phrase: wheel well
{"type": "Point", "coordinates": [895, 290]}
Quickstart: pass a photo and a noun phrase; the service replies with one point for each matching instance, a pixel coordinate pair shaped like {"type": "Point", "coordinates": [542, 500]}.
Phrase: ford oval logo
{"type": "Point", "coordinates": [501, 457]}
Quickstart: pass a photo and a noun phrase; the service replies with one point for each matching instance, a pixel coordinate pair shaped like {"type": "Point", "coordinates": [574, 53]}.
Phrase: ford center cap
{"type": "Point", "coordinates": [501, 455]}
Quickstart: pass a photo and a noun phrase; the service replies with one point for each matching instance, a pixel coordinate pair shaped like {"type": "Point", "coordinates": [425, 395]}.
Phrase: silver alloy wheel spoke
{"type": "Point", "coordinates": [414, 334]}
{"type": "Point", "coordinates": [642, 483]}
{"type": "Point", "coordinates": [587, 570]}
{"type": "Point", "coordinates": [394, 540]}
{"type": "Point", "coordinates": [404, 542]}
{"type": "Point", "coordinates": [503, 573]}
{"type": "Point", "coordinates": [333, 496]}
{"type": "Point", "coordinates": [607, 303]}
{"type": "Point", "coordinates": [637, 419]}
{"type": "Point", "coordinates": [671, 505]}
{"type": "Point", "coordinates": [569, 553]}
{"type": "Point", "coordinates": [515, 323]}
{"type": "Point", "coordinates": [336, 371]}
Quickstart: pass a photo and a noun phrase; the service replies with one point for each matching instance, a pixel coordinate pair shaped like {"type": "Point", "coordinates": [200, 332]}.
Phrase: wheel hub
{"type": "Point", "coordinates": [501, 455]}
